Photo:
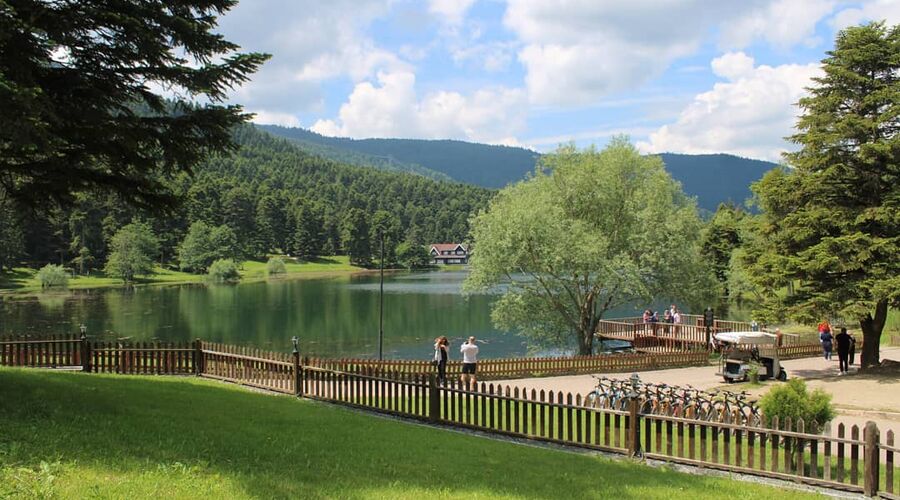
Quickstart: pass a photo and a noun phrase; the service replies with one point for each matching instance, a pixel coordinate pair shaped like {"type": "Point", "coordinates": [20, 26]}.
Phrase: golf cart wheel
{"type": "Point", "coordinates": [782, 375]}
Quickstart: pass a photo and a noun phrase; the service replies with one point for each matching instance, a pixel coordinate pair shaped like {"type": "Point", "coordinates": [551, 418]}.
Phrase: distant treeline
{"type": "Point", "coordinates": [272, 196]}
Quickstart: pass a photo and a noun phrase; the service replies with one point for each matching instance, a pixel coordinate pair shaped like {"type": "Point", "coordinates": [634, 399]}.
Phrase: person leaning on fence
{"type": "Point", "coordinates": [843, 348]}
{"type": "Point", "coordinates": [441, 354]}
{"type": "Point", "coordinates": [469, 352]}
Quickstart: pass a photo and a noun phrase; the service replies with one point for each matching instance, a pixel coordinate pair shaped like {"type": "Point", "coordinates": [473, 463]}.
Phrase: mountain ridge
{"type": "Point", "coordinates": [712, 178]}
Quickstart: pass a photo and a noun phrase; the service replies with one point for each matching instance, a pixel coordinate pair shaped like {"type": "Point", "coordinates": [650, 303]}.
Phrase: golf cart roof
{"type": "Point", "coordinates": [747, 337]}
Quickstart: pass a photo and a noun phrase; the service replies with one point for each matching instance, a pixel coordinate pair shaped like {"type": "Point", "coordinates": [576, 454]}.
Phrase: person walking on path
{"type": "Point", "coordinates": [469, 352]}
{"type": "Point", "coordinates": [826, 339]}
{"type": "Point", "coordinates": [441, 346]}
{"type": "Point", "coordinates": [843, 349]}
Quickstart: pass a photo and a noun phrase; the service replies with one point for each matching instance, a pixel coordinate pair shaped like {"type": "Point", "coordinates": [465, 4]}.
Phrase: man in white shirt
{"type": "Point", "coordinates": [470, 360]}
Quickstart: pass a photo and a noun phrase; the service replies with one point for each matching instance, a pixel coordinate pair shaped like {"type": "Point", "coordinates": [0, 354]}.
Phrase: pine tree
{"type": "Point", "coordinates": [832, 224]}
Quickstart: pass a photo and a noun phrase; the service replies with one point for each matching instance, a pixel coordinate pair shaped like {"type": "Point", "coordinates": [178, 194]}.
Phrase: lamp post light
{"type": "Point", "coordinates": [381, 304]}
{"type": "Point", "coordinates": [83, 329]}
{"type": "Point", "coordinates": [296, 341]}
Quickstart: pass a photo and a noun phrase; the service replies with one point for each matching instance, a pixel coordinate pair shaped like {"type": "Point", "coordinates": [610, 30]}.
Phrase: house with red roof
{"type": "Point", "coordinates": [449, 253]}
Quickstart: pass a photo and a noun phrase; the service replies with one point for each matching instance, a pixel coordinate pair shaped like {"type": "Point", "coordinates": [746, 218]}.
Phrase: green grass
{"type": "Point", "coordinates": [25, 280]}
{"type": "Point", "coordinates": [73, 435]}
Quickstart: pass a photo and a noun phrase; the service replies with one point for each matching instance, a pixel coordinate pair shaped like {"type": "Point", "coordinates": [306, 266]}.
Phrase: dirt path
{"type": "Point", "coordinates": [858, 398]}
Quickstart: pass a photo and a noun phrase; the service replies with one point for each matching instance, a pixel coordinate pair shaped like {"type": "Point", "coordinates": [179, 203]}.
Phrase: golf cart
{"type": "Point", "coordinates": [739, 349]}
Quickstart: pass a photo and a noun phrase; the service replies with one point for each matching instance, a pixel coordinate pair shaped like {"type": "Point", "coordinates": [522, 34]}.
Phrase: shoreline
{"type": "Point", "coordinates": [199, 279]}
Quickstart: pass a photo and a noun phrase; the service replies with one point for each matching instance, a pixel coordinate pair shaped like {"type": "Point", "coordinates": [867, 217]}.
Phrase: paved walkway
{"type": "Point", "coordinates": [857, 397]}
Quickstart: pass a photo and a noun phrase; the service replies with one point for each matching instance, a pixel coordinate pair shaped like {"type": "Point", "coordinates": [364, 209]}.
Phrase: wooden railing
{"type": "Point", "coordinates": [53, 351]}
{"type": "Point", "coordinates": [273, 371]}
{"type": "Point", "coordinates": [855, 460]}
{"type": "Point", "coordinates": [849, 460]}
{"type": "Point", "coordinates": [524, 367]}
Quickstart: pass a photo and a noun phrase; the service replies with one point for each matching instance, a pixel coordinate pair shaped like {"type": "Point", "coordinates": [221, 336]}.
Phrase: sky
{"type": "Point", "coordinates": [685, 76]}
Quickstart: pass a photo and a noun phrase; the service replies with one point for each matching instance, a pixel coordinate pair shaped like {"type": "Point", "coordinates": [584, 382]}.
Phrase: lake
{"type": "Point", "coordinates": [334, 316]}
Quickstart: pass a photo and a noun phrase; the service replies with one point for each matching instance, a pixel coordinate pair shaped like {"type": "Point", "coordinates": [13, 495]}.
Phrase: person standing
{"type": "Point", "coordinates": [826, 339]}
{"type": "Point", "coordinates": [441, 347]}
{"type": "Point", "coordinates": [852, 347]}
{"type": "Point", "coordinates": [843, 349]}
{"type": "Point", "coordinates": [469, 352]}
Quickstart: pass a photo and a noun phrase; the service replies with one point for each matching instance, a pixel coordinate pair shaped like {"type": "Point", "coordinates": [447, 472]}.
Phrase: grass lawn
{"type": "Point", "coordinates": [25, 280]}
{"type": "Point", "coordinates": [73, 435]}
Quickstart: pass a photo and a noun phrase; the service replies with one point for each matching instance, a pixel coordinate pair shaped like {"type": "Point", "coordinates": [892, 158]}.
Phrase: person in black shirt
{"type": "Point", "coordinates": [843, 341]}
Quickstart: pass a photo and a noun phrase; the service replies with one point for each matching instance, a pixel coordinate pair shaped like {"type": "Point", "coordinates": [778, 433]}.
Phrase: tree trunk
{"type": "Point", "coordinates": [872, 328]}
{"type": "Point", "coordinates": [586, 342]}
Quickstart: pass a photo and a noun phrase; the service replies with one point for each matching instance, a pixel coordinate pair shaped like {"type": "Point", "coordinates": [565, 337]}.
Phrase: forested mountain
{"type": "Point", "coordinates": [472, 163]}
{"type": "Point", "coordinates": [271, 197]}
{"type": "Point", "coordinates": [716, 178]}
{"type": "Point", "coordinates": [712, 178]}
{"type": "Point", "coordinates": [331, 148]}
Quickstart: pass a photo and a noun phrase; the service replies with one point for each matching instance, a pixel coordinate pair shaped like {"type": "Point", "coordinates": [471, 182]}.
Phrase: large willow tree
{"type": "Point", "coordinates": [831, 225]}
{"type": "Point", "coordinates": [590, 231]}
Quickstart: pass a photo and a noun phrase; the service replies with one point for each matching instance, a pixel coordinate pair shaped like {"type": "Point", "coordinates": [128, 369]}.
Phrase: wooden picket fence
{"type": "Point", "coordinates": [854, 460]}
{"type": "Point", "coordinates": [54, 351]}
{"type": "Point", "coordinates": [523, 367]}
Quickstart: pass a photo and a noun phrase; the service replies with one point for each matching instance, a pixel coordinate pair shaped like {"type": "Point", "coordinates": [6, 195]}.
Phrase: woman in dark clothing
{"type": "Point", "coordinates": [827, 342]}
{"type": "Point", "coordinates": [441, 346]}
{"type": "Point", "coordinates": [852, 348]}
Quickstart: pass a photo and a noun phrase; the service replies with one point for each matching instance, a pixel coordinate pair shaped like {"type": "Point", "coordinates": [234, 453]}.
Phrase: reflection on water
{"type": "Point", "coordinates": [335, 316]}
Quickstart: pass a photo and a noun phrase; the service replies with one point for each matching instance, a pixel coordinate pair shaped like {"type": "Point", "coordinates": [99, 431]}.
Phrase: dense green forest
{"type": "Point", "coordinates": [268, 197]}
{"type": "Point", "coordinates": [712, 178]}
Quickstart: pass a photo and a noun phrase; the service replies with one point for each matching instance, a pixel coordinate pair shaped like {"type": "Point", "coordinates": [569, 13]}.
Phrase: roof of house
{"type": "Point", "coordinates": [441, 247]}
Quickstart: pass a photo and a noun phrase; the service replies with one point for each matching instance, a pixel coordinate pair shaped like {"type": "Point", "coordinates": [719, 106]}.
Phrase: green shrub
{"type": "Point", "coordinates": [224, 271]}
{"type": "Point", "coordinates": [275, 265]}
{"type": "Point", "coordinates": [53, 275]}
{"type": "Point", "coordinates": [793, 400]}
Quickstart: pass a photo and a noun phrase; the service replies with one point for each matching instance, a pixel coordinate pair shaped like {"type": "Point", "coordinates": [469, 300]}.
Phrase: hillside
{"type": "Point", "coordinates": [712, 178]}
{"type": "Point", "coordinates": [275, 198]}
{"type": "Point", "coordinates": [480, 164]}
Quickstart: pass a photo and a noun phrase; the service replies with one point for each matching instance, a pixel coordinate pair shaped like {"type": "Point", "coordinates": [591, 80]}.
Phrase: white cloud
{"type": "Point", "coordinates": [275, 118]}
{"type": "Point", "coordinates": [873, 10]}
{"type": "Point", "coordinates": [393, 109]}
{"type": "Point", "coordinates": [310, 42]}
{"type": "Point", "coordinates": [576, 51]}
{"type": "Point", "coordinates": [451, 12]}
{"type": "Point", "coordinates": [748, 115]}
{"type": "Point", "coordinates": [782, 23]}
{"type": "Point", "coordinates": [492, 57]}
{"type": "Point", "coordinates": [733, 65]}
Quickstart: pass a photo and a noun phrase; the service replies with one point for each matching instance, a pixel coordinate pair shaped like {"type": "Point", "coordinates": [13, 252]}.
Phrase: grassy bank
{"type": "Point", "coordinates": [25, 280]}
{"type": "Point", "coordinates": [72, 435]}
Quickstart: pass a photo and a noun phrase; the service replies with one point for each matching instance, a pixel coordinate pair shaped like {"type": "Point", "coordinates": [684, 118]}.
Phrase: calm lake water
{"type": "Point", "coordinates": [335, 316]}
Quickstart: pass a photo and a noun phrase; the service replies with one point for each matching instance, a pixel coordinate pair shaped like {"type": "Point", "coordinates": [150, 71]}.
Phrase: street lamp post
{"type": "Point", "coordinates": [381, 304]}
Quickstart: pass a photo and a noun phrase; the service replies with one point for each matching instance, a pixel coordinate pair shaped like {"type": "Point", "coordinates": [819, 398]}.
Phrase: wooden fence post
{"type": "Point", "coordinates": [298, 375]}
{"type": "Point", "coordinates": [434, 399]}
{"type": "Point", "coordinates": [198, 357]}
{"type": "Point", "coordinates": [85, 354]}
{"type": "Point", "coordinates": [633, 430]}
{"type": "Point", "coordinates": [871, 459]}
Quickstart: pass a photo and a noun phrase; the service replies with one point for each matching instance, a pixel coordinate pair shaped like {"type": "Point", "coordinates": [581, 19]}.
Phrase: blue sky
{"type": "Point", "coordinates": [692, 76]}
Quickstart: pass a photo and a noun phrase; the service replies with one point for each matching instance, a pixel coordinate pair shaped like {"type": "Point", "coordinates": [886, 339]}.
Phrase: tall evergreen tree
{"type": "Point", "coordinates": [355, 237]}
{"type": "Point", "coordinates": [832, 224]}
{"type": "Point", "coordinates": [12, 239]}
{"type": "Point", "coordinates": [79, 109]}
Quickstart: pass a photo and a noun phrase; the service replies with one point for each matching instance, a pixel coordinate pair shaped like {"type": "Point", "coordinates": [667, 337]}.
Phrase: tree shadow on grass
{"type": "Point", "coordinates": [282, 447]}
